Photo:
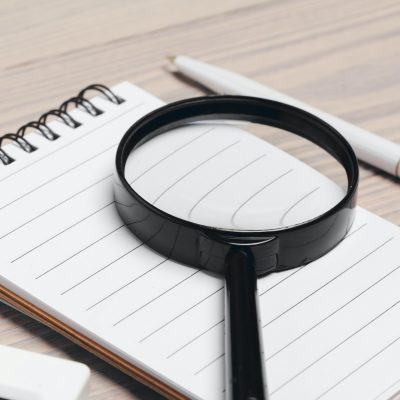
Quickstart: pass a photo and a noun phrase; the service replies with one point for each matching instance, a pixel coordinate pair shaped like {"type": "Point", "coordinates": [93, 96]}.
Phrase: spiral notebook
{"type": "Point", "coordinates": [330, 328]}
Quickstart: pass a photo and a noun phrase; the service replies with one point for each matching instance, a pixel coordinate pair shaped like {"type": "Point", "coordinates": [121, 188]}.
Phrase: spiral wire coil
{"type": "Point", "coordinates": [62, 114]}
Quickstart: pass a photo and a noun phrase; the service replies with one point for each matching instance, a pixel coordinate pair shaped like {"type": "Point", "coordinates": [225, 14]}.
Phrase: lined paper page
{"type": "Point", "coordinates": [330, 329]}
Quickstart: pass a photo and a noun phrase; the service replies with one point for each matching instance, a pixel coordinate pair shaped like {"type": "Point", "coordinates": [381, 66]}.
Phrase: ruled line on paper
{"type": "Point", "coordinates": [355, 230]}
{"type": "Point", "coordinates": [58, 176]}
{"type": "Point", "coordinates": [115, 260]}
{"type": "Point", "coordinates": [371, 321]}
{"type": "Point", "coordinates": [194, 339]}
{"type": "Point", "coordinates": [155, 298]}
{"type": "Point", "coordinates": [255, 194]}
{"type": "Point", "coordinates": [208, 364]}
{"type": "Point", "coordinates": [101, 269]}
{"type": "Point", "coordinates": [56, 205]}
{"type": "Point", "coordinates": [359, 367]}
{"type": "Point", "coordinates": [126, 285]}
{"type": "Point", "coordinates": [79, 252]}
{"type": "Point", "coordinates": [62, 232]}
{"type": "Point", "coordinates": [333, 313]}
{"type": "Point", "coordinates": [284, 215]}
{"type": "Point", "coordinates": [81, 136]}
{"type": "Point", "coordinates": [222, 182]}
{"type": "Point", "coordinates": [172, 153]}
{"type": "Point", "coordinates": [179, 315]}
{"type": "Point", "coordinates": [282, 280]}
{"type": "Point", "coordinates": [304, 266]}
{"type": "Point", "coordinates": [330, 281]}
{"type": "Point", "coordinates": [72, 226]}
{"type": "Point", "coordinates": [387, 389]}
{"type": "Point", "coordinates": [194, 169]}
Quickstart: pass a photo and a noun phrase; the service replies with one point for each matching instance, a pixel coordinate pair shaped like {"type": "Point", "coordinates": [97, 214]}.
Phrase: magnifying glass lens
{"type": "Point", "coordinates": [222, 176]}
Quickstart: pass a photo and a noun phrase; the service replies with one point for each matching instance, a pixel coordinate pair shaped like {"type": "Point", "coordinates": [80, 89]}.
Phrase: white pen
{"type": "Point", "coordinates": [369, 147]}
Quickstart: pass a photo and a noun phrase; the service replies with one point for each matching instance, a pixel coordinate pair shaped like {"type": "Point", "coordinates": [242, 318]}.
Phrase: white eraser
{"type": "Point", "coordinates": [29, 376]}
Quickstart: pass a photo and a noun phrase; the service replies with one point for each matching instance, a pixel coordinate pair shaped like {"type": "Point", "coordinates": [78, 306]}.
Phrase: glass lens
{"type": "Point", "coordinates": [235, 175]}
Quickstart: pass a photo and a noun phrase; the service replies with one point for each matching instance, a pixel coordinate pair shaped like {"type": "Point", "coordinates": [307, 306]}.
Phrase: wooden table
{"type": "Point", "coordinates": [342, 56]}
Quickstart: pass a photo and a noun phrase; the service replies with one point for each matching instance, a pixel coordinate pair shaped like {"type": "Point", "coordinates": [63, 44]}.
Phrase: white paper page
{"type": "Point", "coordinates": [330, 329]}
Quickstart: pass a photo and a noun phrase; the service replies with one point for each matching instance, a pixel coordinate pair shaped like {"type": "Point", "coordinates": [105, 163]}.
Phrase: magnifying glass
{"type": "Point", "coordinates": [202, 235]}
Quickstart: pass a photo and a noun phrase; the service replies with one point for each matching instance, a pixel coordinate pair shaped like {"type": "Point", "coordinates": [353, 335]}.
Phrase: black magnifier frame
{"type": "Point", "coordinates": [239, 255]}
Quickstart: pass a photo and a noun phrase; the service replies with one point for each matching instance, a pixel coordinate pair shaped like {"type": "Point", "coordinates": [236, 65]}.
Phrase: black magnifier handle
{"type": "Point", "coordinates": [244, 365]}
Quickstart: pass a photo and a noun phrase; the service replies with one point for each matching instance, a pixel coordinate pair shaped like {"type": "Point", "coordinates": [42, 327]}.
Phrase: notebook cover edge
{"type": "Point", "coordinates": [88, 344]}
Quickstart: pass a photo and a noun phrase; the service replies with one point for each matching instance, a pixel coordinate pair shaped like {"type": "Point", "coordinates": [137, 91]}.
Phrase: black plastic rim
{"type": "Point", "coordinates": [206, 247]}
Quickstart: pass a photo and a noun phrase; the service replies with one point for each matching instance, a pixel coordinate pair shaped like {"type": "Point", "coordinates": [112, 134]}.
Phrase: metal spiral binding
{"type": "Point", "coordinates": [61, 114]}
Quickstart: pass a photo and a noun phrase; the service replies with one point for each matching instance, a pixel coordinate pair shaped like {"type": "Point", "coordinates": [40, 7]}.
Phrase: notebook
{"type": "Point", "coordinates": [330, 328]}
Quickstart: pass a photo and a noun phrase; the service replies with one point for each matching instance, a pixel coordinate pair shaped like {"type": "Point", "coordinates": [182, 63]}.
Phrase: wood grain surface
{"type": "Point", "coordinates": [341, 56]}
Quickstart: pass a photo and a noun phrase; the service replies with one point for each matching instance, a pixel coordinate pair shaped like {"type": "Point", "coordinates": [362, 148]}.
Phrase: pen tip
{"type": "Point", "coordinates": [171, 59]}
